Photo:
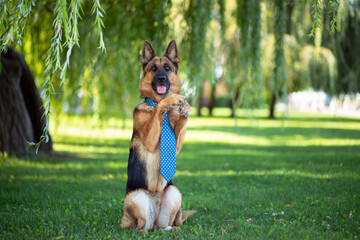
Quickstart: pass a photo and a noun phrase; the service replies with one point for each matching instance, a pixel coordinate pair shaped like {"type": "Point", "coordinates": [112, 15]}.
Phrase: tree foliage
{"type": "Point", "coordinates": [197, 16]}
{"type": "Point", "coordinates": [85, 54]}
{"type": "Point", "coordinates": [347, 48]}
{"type": "Point", "coordinates": [317, 12]}
{"type": "Point", "coordinates": [280, 73]}
{"type": "Point", "coordinates": [249, 22]}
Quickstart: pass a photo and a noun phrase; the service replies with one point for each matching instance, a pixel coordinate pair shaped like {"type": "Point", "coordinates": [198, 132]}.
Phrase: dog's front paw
{"type": "Point", "coordinates": [185, 109]}
{"type": "Point", "coordinates": [168, 228]}
{"type": "Point", "coordinates": [172, 228]}
{"type": "Point", "coordinates": [173, 100]}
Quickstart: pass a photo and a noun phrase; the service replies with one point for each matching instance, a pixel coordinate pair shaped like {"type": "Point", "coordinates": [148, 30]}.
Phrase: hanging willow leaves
{"type": "Point", "coordinates": [317, 10]}
{"type": "Point", "coordinates": [98, 11]}
{"type": "Point", "coordinates": [347, 49]}
{"type": "Point", "coordinates": [278, 87]}
{"type": "Point", "coordinates": [279, 32]}
{"type": "Point", "coordinates": [103, 83]}
{"type": "Point", "coordinates": [222, 22]}
{"type": "Point", "coordinates": [73, 37]}
{"type": "Point", "coordinates": [249, 22]}
{"type": "Point", "coordinates": [96, 79]}
{"type": "Point", "coordinates": [197, 16]}
{"type": "Point", "coordinates": [14, 18]}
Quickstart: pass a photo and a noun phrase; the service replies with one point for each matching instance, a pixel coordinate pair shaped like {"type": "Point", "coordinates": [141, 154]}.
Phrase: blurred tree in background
{"type": "Point", "coordinates": [347, 48]}
{"type": "Point", "coordinates": [85, 55]}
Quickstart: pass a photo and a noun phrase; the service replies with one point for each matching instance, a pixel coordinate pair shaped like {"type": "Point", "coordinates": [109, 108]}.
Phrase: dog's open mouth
{"type": "Point", "coordinates": [161, 85]}
{"type": "Point", "coordinates": [161, 89]}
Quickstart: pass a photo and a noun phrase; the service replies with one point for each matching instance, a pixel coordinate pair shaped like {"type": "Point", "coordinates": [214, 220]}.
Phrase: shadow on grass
{"type": "Point", "coordinates": [271, 132]}
{"type": "Point", "coordinates": [203, 160]}
{"type": "Point", "coordinates": [316, 118]}
{"type": "Point", "coordinates": [308, 118]}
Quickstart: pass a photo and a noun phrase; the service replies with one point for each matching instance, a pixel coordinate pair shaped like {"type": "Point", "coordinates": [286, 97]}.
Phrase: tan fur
{"type": "Point", "coordinates": [178, 218]}
{"type": "Point", "coordinates": [170, 205]}
{"type": "Point", "coordinates": [186, 214]}
{"type": "Point", "coordinates": [134, 210]}
{"type": "Point", "coordinates": [147, 125]}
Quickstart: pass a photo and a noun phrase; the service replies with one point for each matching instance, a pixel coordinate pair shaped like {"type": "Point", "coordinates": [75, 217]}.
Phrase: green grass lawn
{"type": "Point", "coordinates": [261, 179]}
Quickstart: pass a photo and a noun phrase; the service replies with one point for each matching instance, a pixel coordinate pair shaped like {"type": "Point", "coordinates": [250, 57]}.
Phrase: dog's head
{"type": "Point", "coordinates": [159, 78]}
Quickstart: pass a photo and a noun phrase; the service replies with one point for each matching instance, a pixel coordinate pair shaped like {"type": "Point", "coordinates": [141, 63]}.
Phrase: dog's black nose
{"type": "Point", "coordinates": [161, 78]}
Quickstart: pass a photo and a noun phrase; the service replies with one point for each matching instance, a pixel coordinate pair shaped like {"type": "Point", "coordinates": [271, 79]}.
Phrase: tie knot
{"type": "Point", "coordinates": [150, 102]}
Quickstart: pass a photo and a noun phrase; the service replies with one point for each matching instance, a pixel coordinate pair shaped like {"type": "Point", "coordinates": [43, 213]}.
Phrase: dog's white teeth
{"type": "Point", "coordinates": [168, 228]}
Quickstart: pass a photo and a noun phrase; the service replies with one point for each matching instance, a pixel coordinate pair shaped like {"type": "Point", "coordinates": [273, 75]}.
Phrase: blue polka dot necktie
{"type": "Point", "coordinates": [167, 146]}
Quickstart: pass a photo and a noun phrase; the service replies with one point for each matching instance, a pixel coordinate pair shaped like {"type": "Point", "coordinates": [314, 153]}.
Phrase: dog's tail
{"type": "Point", "coordinates": [181, 216]}
{"type": "Point", "coordinates": [186, 214]}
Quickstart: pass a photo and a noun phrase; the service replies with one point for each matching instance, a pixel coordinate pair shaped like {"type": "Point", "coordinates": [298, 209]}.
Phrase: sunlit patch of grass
{"type": "Point", "coordinates": [89, 149]}
{"type": "Point", "coordinates": [248, 179]}
{"type": "Point", "coordinates": [277, 172]}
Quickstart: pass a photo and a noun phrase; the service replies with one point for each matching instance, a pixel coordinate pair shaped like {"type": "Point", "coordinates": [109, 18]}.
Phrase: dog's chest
{"type": "Point", "coordinates": [155, 181]}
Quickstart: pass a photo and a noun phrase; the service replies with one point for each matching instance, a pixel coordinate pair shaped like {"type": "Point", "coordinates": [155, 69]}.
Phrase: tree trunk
{"type": "Point", "coordinates": [272, 106]}
{"type": "Point", "coordinates": [21, 107]}
{"type": "Point", "coordinates": [289, 12]}
{"type": "Point", "coordinates": [199, 102]}
{"type": "Point", "coordinates": [233, 101]}
{"type": "Point", "coordinates": [212, 99]}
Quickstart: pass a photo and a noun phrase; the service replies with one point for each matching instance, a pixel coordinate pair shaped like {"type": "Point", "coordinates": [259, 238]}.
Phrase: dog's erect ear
{"type": "Point", "coordinates": [148, 53]}
{"type": "Point", "coordinates": [172, 53]}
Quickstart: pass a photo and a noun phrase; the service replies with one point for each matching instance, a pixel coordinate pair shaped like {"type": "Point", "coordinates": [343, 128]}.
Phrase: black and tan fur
{"type": "Point", "coordinates": [150, 201]}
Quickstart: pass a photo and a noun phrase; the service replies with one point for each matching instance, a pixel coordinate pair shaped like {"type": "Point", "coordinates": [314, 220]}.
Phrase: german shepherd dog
{"type": "Point", "coordinates": [151, 201]}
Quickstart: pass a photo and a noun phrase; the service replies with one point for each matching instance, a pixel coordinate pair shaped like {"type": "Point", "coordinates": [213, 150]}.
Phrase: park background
{"type": "Point", "coordinates": [273, 142]}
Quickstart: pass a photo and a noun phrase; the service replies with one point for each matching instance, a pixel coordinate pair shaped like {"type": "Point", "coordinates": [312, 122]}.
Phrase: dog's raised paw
{"type": "Point", "coordinates": [185, 110]}
{"type": "Point", "coordinates": [184, 113]}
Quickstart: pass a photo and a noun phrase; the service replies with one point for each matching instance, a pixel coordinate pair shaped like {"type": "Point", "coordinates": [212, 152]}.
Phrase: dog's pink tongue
{"type": "Point", "coordinates": [161, 89]}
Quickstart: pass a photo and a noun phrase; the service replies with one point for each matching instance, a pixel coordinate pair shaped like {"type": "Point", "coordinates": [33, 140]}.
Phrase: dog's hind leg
{"type": "Point", "coordinates": [170, 207]}
{"type": "Point", "coordinates": [139, 211]}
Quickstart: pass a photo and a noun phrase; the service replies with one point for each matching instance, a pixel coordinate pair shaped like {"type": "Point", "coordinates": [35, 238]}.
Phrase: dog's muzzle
{"type": "Point", "coordinates": [161, 83]}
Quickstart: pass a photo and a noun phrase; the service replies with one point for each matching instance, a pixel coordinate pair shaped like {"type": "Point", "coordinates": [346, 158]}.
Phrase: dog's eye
{"type": "Point", "coordinates": [153, 68]}
{"type": "Point", "coordinates": [167, 68]}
